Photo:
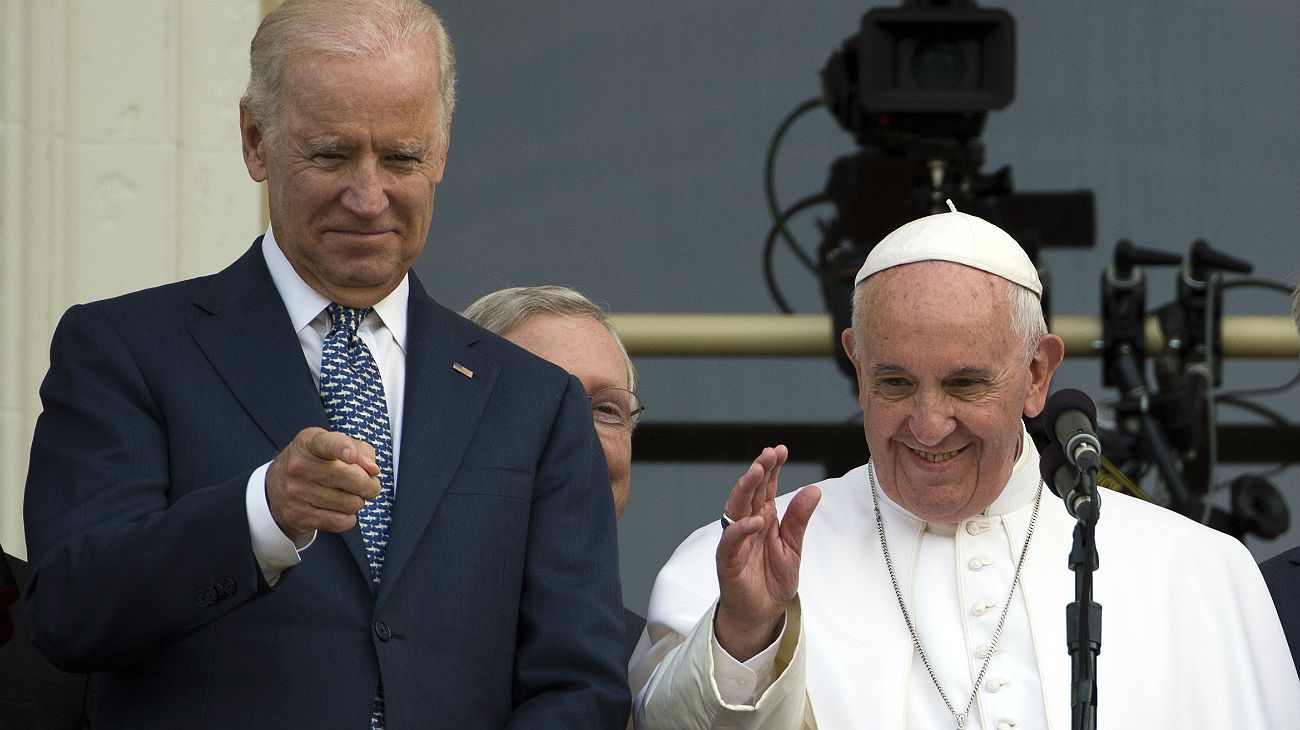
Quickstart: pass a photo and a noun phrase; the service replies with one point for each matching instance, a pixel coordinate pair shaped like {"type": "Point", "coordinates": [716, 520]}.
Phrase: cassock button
{"type": "Point", "coordinates": [993, 685]}
{"type": "Point", "coordinates": [1005, 724]}
{"type": "Point", "coordinates": [979, 609]}
{"type": "Point", "coordinates": [974, 528]}
{"type": "Point", "coordinates": [382, 630]}
{"type": "Point", "coordinates": [978, 563]}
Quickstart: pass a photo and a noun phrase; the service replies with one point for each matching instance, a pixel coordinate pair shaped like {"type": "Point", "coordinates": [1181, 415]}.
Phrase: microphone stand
{"type": "Point", "coordinates": [1123, 311]}
{"type": "Point", "coordinates": [1083, 616]}
{"type": "Point", "coordinates": [1199, 362]}
{"type": "Point", "coordinates": [1072, 460]}
{"type": "Point", "coordinates": [1133, 387]}
{"type": "Point", "coordinates": [1123, 302]}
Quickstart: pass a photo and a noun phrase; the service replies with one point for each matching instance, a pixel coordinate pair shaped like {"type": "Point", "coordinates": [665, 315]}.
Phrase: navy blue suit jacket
{"type": "Point", "coordinates": [1282, 574]}
{"type": "Point", "coordinates": [500, 604]}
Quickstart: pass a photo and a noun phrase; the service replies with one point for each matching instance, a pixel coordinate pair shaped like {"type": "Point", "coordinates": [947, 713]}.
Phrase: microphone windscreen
{"type": "Point", "coordinates": [1065, 400]}
{"type": "Point", "coordinates": [1054, 467]}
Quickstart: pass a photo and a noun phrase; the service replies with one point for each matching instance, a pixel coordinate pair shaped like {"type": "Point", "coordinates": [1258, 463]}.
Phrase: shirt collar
{"type": "Point", "coordinates": [1022, 487]}
{"type": "Point", "coordinates": [305, 304]}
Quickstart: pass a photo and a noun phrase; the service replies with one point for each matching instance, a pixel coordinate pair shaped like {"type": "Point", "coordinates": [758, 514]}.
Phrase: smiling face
{"type": "Point", "coordinates": [584, 348]}
{"type": "Point", "coordinates": [351, 168]}
{"type": "Point", "coordinates": [943, 383]}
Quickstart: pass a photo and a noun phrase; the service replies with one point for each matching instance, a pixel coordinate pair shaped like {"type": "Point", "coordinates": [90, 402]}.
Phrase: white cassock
{"type": "Point", "coordinates": [1190, 637]}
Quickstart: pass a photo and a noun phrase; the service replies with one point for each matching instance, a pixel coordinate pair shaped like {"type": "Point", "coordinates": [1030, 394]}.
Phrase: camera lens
{"type": "Point", "coordinates": [938, 63]}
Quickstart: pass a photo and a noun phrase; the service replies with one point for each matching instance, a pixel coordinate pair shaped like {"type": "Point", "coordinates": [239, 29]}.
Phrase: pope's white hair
{"type": "Point", "coordinates": [1026, 313]}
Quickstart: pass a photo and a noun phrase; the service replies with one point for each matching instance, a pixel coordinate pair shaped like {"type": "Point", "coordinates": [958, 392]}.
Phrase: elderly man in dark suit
{"type": "Point", "coordinates": [299, 493]}
{"type": "Point", "coordinates": [1282, 572]}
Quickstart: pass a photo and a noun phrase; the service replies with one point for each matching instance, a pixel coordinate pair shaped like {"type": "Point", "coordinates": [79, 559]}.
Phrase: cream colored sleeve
{"type": "Point", "coordinates": [742, 683]}
{"type": "Point", "coordinates": [681, 692]}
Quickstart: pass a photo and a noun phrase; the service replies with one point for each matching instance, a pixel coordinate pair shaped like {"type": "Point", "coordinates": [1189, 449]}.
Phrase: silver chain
{"type": "Point", "coordinates": [907, 618]}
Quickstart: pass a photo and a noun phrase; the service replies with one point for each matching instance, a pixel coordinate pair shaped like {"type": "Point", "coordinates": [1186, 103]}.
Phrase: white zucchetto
{"type": "Point", "coordinates": [956, 237]}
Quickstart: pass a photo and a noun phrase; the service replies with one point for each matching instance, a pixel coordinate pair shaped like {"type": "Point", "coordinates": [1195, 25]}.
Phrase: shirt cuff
{"type": "Point", "coordinates": [742, 683]}
{"type": "Point", "coordinates": [274, 551]}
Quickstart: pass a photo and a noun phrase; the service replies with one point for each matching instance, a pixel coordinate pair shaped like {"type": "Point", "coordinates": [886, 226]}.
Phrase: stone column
{"type": "Point", "coordinates": [120, 168]}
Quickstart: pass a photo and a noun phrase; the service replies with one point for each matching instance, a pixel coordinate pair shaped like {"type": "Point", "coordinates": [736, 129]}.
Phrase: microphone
{"type": "Point", "coordinates": [1063, 479]}
{"type": "Point", "coordinates": [1057, 473]}
{"type": "Point", "coordinates": [1071, 420]}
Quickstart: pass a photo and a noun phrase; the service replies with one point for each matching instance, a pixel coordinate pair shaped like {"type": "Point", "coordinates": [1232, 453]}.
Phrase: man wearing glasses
{"type": "Point", "coordinates": [561, 325]}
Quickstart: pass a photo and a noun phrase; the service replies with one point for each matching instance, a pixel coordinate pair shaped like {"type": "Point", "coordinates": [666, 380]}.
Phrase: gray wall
{"type": "Point", "coordinates": [618, 148]}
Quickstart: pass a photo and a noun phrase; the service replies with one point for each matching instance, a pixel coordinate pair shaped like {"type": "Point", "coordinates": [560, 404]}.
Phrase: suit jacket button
{"type": "Point", "coordinates": [207, 597]}
{"type": "Point", "coordinates": [382, 630]}
{"type": "Point", "coordinates": [228, 586]}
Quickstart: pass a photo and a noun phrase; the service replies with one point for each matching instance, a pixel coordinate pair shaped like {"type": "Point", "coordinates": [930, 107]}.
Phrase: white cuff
{"type": "Point", "coordinates": [274, 551]}
{"type": "Point", "coordinates": [741, 684]}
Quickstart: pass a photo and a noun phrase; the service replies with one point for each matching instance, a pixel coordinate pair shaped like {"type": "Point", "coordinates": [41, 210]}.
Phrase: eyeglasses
{"type": "Point", "coordinates": [616, 409]}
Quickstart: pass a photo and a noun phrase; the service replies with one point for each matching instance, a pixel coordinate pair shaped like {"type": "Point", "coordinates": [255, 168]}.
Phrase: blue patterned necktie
{"type": "Point", "coordinates": [353, 395]}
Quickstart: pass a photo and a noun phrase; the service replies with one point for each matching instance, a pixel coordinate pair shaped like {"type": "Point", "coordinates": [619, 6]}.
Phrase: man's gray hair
{"type": "Point", "coordinates": [1026, 310]}
{"type": "Point", "coordinates": [504, 310]}
{"type": "Point", "coordinates": [363, 29]}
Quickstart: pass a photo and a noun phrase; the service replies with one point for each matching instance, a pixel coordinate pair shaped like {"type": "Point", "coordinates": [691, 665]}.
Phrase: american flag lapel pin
{"type": "Point", "coordinates": [462, 370]}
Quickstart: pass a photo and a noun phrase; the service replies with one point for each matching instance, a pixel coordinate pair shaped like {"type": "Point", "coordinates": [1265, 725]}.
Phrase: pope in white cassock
{"type": "Point", "coordinates": [929, 588]}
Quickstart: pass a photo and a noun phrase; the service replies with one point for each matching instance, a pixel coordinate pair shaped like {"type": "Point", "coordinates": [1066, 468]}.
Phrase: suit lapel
{"type": "Point", "coordinates": [245, 333]}
{"type": "Point", "coordinates": [441, 411]}
{"type": "Point", "coordinates": [244, 330]}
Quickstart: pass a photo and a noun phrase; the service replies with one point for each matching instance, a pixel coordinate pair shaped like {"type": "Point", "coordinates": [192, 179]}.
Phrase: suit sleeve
{"type": "Point", "coordinates": [123, 560]}
{"type": "Point", "coordinates": [570, 665]}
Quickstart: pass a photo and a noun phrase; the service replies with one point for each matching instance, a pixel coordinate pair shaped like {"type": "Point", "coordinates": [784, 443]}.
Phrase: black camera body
{"type": "Point", "coordinates": [914, 86]}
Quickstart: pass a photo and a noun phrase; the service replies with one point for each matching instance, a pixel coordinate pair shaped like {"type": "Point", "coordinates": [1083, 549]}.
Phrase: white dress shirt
{"type": "Point", "coordinates": [383, 331]}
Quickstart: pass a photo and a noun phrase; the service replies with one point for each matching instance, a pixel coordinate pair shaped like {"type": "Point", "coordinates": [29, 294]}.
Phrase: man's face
{"type": "Point", "coordinates": [943, 383]}
{"type": "Point", "coordinates": [584, 348]}
{"type": "Point", "coordinates": [351, 168]}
